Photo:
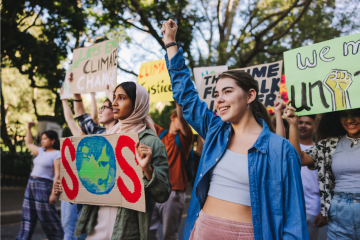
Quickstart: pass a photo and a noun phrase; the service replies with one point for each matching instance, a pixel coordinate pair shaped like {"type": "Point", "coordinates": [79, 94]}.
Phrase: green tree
{"type": "Point", "coordinates": [35, 38]}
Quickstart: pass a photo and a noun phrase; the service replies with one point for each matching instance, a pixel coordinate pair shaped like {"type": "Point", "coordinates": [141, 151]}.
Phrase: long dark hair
{"type": "Point", "coordinates": [247, 82]}
{"type": "Point", "coordinates": [329, 126]}
{"type": "Point", "coordinates": [130, 90]}
{"type": "Point", "coordinates": [53, 136]}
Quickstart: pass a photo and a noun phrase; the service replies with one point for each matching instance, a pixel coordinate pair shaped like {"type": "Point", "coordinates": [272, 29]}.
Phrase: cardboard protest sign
{"type": "Point", "coordinates": [200, 72]}
{"type": "Point", "coordinates": [102, 170]}
{"type": "Point", "coordinates": [324, 77]}
{"type": "Point", "coordinates": [282, 92]}
{"type": "Point", "coordinates": [95, 67]}
{"type": "Point", "coordinates": [267, 75]}
{"type": "Point", "coordinates": [155, 78]}
{"type": "Point", "coordinates": [66, 91]}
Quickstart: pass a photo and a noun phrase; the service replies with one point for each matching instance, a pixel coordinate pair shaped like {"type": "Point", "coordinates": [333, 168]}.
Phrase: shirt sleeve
{"type": "Point", "coordinates": [195, 111]}
{"type": "Point", "coordinates": [294, 218]}
{"type": "Point", "coordinates": [88, 126]}
{"type": "Point", "coordinates": [313, 153]}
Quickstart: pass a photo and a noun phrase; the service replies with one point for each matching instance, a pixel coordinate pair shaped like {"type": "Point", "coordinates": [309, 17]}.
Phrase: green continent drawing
{"type": "Point", "coordinates": [95, 162]}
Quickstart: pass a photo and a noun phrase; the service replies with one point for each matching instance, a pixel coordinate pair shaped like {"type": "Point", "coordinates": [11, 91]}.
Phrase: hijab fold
{"type": "Point", "coordinates": [139, 119]}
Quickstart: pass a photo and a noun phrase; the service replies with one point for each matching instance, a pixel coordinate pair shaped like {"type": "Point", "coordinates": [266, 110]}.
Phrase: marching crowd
{"type": "Point", "coordinates": [249, 181]}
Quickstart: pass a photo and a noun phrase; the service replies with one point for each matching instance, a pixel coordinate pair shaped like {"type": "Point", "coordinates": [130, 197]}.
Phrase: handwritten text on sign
{"type": "Point", "coordinates": [324, 77]}
{"type": "Point", "coordinates": [268, 77]}
{"type": "Point", "coordinates": [95, 67]}
{"type": "Point", "coordinates": [155, 78]}
{"type": "Point", "coordinates": [102, 170]}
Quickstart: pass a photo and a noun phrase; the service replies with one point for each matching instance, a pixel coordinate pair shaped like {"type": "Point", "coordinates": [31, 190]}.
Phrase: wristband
{"type": "Point", "coordinates": [170, 44]}
{"type": "Point", "coordinates": [75, 100]}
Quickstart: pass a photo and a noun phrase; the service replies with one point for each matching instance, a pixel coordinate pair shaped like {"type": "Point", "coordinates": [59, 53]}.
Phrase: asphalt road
{"type": "Point", "coordinates": [10, 231]}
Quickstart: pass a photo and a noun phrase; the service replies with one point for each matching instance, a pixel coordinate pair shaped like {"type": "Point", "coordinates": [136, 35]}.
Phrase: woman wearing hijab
{"type": "Point", "coordinates": [131, 107]}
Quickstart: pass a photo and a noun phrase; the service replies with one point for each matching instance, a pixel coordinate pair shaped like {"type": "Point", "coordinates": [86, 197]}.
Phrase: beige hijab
{"type": "Point", "coordinates": [139, 120]}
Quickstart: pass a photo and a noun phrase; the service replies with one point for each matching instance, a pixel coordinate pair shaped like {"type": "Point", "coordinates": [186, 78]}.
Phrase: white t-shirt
{"type": "Point", "coordinates": [44, 164]}
{"type": "Point", "coordinates": [311, 187]}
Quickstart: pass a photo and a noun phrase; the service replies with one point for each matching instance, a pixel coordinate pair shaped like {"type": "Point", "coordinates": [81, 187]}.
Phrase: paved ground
{"type": "Point", "coordinates": [11, 203]}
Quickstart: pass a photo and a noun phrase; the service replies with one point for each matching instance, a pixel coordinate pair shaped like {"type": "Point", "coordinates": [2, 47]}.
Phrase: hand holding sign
{"type": "Point", "coordinates": [143, 155]}
{"type": "Point", "coordinates": [289, 114]}
{"type": "Point", "coordinates": [169, 29]}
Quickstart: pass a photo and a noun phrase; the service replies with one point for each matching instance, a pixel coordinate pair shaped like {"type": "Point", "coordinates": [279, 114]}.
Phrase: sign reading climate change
{"type": "Point", "coordinates": [102, 170]}
{"type": "Point", "coordinates": [268, 77]}
{"type": "Point", "coordinates": [155, 78]}
{"type": "Point", "coordinates": [95, 67]}
{"type": "Point", "coordinates": [324, 77]}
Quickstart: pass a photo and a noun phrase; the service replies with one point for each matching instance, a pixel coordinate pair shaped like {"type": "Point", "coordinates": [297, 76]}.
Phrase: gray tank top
{"type": "Point", "coordinates": [346, 166]}
{"type": "Point", "coordinates": [230, 179]}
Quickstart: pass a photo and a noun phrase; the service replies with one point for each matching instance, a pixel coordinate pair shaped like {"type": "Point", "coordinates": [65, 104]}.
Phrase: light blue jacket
{"type": "Point", "coordinates": [276, 192]}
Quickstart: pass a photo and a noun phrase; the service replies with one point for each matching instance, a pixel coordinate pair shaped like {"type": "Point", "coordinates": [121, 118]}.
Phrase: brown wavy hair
{"type": "Point", "coordinates": [247, 82]}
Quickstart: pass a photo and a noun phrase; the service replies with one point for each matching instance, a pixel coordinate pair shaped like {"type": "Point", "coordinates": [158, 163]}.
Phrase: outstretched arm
{"type": "Point", "coordinates": [184, 126]}
{"type": "Point", "coordinates": [195, 111]}
{"type": "Point", "coordinates": [293, 121]}
{"type": "Point", "coordinates": [69, 118]}
{"type": "Point", "coordinates": [78, 104]}
{"type": "Point", "coordinates": [94, 111]}
{"type": "Point", "coordinates": [279, 106]}
{"type": "Point", "coordinates": [29, 140]}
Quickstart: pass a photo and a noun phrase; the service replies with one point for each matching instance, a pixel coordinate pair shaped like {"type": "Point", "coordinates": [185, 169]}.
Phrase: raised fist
{"type": "Point", "coordinates": [338, 82]}
{"type": "Point", "coordinates": [169, 29]}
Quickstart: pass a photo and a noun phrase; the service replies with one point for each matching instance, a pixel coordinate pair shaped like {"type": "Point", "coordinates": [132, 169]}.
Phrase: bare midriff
{"type": "Point", "coordinates": [227, 210]}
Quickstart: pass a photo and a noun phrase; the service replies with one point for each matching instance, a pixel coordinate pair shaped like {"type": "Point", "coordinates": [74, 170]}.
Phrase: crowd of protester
{"type": "Point", "coordinates": [249, 181]}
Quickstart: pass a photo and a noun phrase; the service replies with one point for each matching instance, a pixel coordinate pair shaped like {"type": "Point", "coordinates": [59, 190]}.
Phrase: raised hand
{"type": "Point", "coordinates": [289, 114]}
{"type": "Point", "coordinates": [143, 156]}
{"type": "Point", "coordinates": [279, 104]}
{"type": "Point", "coordinates": [31, 124]}
{"type": "Point", "coordinates": [169, 29]}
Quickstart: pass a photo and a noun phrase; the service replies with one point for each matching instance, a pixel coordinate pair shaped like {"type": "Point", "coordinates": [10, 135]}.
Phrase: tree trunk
{"type": "Point", "coordinates": [4, 134]}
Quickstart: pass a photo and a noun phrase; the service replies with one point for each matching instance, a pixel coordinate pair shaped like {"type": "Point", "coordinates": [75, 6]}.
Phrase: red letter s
{"type": "Point", "coordinates": [125, 141]}
{"type": "Point", "coordinates": [71, 194]}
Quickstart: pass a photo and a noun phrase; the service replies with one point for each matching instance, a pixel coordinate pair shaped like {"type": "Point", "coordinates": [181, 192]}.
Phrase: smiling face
{"type": "Point", "coordinates": [106, 113]}
{"type": "Point", "coordinates": [350, 120]}
{"type": "Point", "coordinates": [122, 105]}
{"type": "Point", "coordinates": [306, 127]}
{"type": "Point", "coordinates": [231, 100]}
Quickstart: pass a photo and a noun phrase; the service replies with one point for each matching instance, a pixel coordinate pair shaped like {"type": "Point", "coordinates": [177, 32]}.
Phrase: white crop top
{"type": "Point", "coordinates": [44, 164]}
{"type": "Point", "coordinates": [230, 179]}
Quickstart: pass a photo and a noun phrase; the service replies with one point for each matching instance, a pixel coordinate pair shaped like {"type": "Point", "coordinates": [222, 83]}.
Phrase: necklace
{"type": "Point", "coordinates": [355, 140]}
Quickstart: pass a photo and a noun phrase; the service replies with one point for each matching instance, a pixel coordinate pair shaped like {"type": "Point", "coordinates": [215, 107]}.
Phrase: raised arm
{"type": "Point", "coordinates": [29, 140]}
{"type": "Point", "coordinates": [185, 128]}
{"type": "Point", "coordinates": [78, 104]}
{"type": "Point", "coordinates": [195, 111]}
{"type": "Point", "coordinates": [69, 118]}
{"type": "Point", "coordinates": [293, 121]}
{"type": "Point", "coordinates": [94, 110]}
{"type": "Point", "coordinates": [278, 107]}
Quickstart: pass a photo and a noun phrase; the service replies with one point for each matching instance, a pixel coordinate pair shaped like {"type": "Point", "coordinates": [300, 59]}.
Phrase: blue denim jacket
{"type": "Point", "coordinates": [276, 192]}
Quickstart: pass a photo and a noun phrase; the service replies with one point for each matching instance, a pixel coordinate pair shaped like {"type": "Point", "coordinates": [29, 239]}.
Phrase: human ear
{"type": "Point", "coordinates": [251, 96]}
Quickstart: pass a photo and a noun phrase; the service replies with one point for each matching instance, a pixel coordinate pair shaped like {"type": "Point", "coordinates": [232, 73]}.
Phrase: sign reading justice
{"type": "Point", "coordinates": [155, 78]}
{"type": "Point", "coordinates": [324, 77]}
{"type": "Point", "coordinates": [102, 170]}
{"type": "Point", "coordinates": [95, 67]}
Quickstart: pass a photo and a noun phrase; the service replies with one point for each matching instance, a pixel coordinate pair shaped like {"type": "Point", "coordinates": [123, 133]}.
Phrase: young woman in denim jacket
{"type": "Point", "coordinates": [261, 200]}
{"type": "Point", "coordinates": [336, 157]}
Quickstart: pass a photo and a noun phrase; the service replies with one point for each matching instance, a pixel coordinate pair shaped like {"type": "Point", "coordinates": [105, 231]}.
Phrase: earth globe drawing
{"type": "Point", "coordinates": [96, 164]}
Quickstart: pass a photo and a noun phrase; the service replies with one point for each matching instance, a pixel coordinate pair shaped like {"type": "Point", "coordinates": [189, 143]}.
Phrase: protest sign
{"type": "Point", "coordinates": [66, 85]}
{"type": "Point", "coordinates": [95, 67]}
{"type": "Point", "coordinates": [102, 170]}
{"type": "Point", "coordinates": [200, 72]}
{"type": "Point", "coordinates": [267, 75]}
{"type": "Point", "coordinates": [324, 77]}
{"type": "Point", "coordinates": [155, 78]}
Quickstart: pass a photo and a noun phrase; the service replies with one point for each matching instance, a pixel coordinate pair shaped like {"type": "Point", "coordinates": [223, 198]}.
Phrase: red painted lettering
{"type": "Point", "coordinates": [125, 141]}
{"type": "Point", "coordinates": [71, 194]}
